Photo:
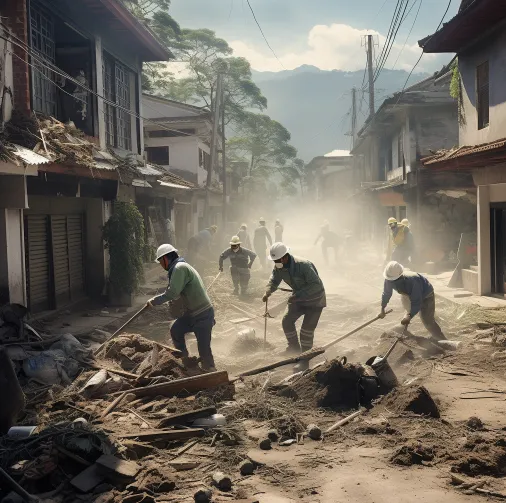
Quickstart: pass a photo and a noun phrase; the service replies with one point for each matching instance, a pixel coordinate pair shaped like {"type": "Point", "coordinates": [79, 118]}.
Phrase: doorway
{"type": "Point", "coordinates": [498, 247]}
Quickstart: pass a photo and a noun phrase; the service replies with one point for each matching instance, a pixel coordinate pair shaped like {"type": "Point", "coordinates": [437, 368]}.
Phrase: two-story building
{"type": "Point", "coordinates": [406, 128]}
{"type": "Point", "coordinates": [477, 35]}
{"type": "Point", "coordinates": [75, 79]}
{"type": "Point", "coordinates": [177, 137]}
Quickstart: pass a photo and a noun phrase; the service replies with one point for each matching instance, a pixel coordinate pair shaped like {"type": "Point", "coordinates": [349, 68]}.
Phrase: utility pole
{"type": "Point", "coordinates": [223, 160]}
{"type": "Point", "coordinates": [214, 140]}
{"type": "Point", "coordinates": [370, 43]}
{"type": "Point", "coordinates": [353, 116]}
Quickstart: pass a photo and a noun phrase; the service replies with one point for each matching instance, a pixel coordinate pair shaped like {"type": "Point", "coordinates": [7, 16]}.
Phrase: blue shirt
{"type": "Point", "coordinates": [412, 284]}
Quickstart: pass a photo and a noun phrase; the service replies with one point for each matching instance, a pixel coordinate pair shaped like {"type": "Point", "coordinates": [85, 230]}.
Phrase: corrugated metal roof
{"type": "Point", "coordinates": [149, 170]}
{"type": "Point", "coordinates": [173, 185]}
{"type": "Point", "coordinates": [141, 183]}
{"type": "Point", "coordinates": [97, 163]}
{"type": "Point", "coordinates": [29, 156]}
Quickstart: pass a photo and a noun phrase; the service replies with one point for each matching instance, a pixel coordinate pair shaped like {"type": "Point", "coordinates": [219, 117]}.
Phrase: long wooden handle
{"type": "Point", "coordinates": [354, 331]}
{"type": "Point", "coordinates": [265, 323]}
{"type": "Point", "coordinates": [213, 281]}
{"type": "Point", "coordinates": [115, 334]}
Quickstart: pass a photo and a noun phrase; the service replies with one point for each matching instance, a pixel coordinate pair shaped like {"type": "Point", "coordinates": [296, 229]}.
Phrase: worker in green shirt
{"type": "Point", "coordinates": [185, 283]}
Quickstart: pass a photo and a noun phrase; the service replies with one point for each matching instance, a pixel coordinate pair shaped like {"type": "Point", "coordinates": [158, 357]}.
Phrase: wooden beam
{"type": "Point", "coordinates": [167, 435]}
{"type": "Point", "coordinates": [186, 417]}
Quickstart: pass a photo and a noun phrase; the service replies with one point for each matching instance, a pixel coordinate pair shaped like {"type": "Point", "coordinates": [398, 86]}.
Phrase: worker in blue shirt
{"type": "Point", "coordinates": [417, 296]}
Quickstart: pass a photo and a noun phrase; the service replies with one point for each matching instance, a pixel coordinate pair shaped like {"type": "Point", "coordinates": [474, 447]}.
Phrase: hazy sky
{"type": "Point", "coordinates": [323, 33]}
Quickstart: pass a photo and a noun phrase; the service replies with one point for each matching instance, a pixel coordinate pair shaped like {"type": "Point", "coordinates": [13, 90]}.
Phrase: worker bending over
{"type": "Point", "coordinates": [308, 298]}
{"type": "Point", "coordinates": [185, 283]}
{"type": "Point", "coordinates": [417, 296]}
{"type": "Point", "coordinates": [241, 260]}
{"type": "Point", "coordinates": [260, 238]}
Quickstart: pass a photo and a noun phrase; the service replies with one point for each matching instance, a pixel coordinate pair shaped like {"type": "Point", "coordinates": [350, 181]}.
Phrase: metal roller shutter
{"type": "Point", "coordinates": [37, 262]}
{"type": "Point", "coordinates": [76, 254]}
{"type": "Point", "coordinates": [60, 259]}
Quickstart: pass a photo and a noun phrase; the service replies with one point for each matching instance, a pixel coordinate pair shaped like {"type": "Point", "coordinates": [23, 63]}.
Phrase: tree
{"type": "Point", "coordinates": [264, 144]}
{"type": "Point", "coordinates": [293, 174]}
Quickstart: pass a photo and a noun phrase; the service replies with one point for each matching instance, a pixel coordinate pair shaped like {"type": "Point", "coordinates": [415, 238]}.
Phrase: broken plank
{"type": "Point", "coordinates": [114, 404]}
{"type": "Point", "coordinates": [88, 479]}
{"type": "Point", "coordinates": [188, 384]}
{"type": "Point", "coordinates": [167, 435]}
{"type": "Point", "coordinates": [186, 417]}
{"type": "Point", "coordinates": [184, 449]}
{"type": "Point", "coordinates": [121, 373]}
{"type": "Point", "coordinates": [119, 466]}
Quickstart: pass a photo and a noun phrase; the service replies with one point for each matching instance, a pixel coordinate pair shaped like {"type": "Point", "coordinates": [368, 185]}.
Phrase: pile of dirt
{"type": "Point", "coordinates": [415, 399]}
{"type": "Point", "coordinates": [481, 456]}
{"type": "Point", "coordinates": [412, 453]}
{"type": "Point", "coordinates": [332, 385]}
{"type": "Point", "coordinates": [246, 346]}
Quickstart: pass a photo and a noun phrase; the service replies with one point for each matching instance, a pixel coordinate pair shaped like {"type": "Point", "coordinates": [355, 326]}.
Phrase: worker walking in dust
{"type": "Point", "coordinates": [186, 284]}
{"type": "Point", "coordinates": [260, 239]}
{"type": "Point", "coordinates": [278, 232]}
{"type": "Point", "coordinates": [244, 236]}
{"type": "Point", "coordinates": [400, 242]}
{"type": "Point", "coordinates": [241, 260]}
{"type": "Point", "coordinates": [417, 296]}
{"type": "Point", "coordinates": [200, 244]}
{"type": "Point", "coordinates": [308, 298]}
{"type": "Point", "coordinates": [330, 240]}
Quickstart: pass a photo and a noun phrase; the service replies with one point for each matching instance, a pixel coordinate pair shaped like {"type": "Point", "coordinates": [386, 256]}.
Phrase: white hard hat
{"type": "Point", "coordinates": [164, 250]}
{"type": "Point", "coordinates": [405, 222]}
{"type": "Point", "coordinates": [393, 271]}
{"type": "Point", "coordinates": [277, 251]}
{"type": "Point", "coordinates": [236, 240]}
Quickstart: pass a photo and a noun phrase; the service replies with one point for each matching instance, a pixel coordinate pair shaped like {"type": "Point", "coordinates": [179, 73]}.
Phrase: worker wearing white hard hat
{"type": "Point", "coordinates": [186, 286]}
{"type": "Point", "coordinates": [417, 296]}
{"type": "Point", "coordinates": [241, 260]}
{"type": "Point", "coordinates": [307, 300]}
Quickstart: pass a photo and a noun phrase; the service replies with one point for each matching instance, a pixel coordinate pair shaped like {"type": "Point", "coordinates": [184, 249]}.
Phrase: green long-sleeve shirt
{"type": "Point", "coordinates": [302, 276]}
{"type": "Point", "coordinates": [185, 282]}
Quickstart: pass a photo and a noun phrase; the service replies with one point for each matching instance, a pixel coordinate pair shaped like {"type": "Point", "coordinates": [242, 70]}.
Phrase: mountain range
{"type": "Point", "coordinates": [315, 105]}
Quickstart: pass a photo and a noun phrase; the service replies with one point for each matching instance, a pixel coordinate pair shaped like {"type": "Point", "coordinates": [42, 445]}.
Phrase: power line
{"type": "Point", "coordinates": [421, 55]}
{"type": "Point", "coordinates": [263, 34]}
{"type": "Point", "coordinates": [410, 31]}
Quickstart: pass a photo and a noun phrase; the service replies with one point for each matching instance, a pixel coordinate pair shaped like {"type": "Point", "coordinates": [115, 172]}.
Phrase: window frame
{"type": "Point", "coordinates": [483, 106]}
{"type": "Point", "coordinates": [150, 149]}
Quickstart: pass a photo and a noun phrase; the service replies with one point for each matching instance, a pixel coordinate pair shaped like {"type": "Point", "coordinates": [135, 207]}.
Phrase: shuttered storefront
{"type": "Point", "coordinates": [55, 260]}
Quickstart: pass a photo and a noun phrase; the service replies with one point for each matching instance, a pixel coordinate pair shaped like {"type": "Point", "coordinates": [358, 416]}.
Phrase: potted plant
{"type": "Point", "coordinates": [123, 235]}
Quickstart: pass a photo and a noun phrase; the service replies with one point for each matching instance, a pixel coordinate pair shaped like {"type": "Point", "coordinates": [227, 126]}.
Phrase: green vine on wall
{"type": "Point", "coordinates": [124, 238]}
{"type": "Point", "coordinates": [456, 91]}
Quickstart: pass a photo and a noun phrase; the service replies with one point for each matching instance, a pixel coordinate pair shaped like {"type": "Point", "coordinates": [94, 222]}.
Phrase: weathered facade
{"type": "Point", "coordinates": [476, 34]}
{"type": "Point", "coordinates": [75, 75]}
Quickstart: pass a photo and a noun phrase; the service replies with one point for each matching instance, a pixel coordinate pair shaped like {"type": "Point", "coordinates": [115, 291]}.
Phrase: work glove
{"type": "Point", "coordinates": [406, 320]}
{"type": "Point", "coordinates": [382, 314]}
{"type": "Point", "coordinates": [266, 296]}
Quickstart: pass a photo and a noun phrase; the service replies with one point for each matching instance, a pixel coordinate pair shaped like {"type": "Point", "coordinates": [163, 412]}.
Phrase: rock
{"type": "Point", "coordinates": [272, 435]}
{"type": "Point", "coordinates": [221, 481]}
{"type": "Point", "coordinates": [246, 467]}
{"type": "Point", "coordinates": [314, 432]}
{"type": "Point", "coordinates": [475, 423]}
{"type": "Point", "coordinates": [265, 445]}
{"type": "Point", "coordinates": [203, 495]}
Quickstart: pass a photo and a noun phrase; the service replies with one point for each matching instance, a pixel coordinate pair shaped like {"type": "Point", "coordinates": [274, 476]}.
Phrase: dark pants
{"type": "Point", "coordinates": [240, 276]}
{"type": "Point", "coordinates": [427, 315]}
{"type": "Point", "coordinates": [193, 250]}
{"type": "Point", "coordinates": [325, 250]}
{"type": "Point", "coordinates": [202, 326]}
{"type": "Point", "coordinates": [401, 255]}
{"type": "Point", "coordinates": [309, 324]}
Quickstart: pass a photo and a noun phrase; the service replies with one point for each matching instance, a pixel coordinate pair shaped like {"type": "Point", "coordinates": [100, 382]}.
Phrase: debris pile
{"type": "Point", "coordinates": [411, 399]}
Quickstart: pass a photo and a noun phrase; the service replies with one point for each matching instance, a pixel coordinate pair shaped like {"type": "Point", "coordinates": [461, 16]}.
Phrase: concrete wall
{"type": "Point", "coordinates": [436, 128]}
{"type": "Point", "coordinates": [154, 108]}
{"type": "Point", "coordinates": [493, 50]}
{"type": "Point", "coordinates": [12, 259]}
{"type": "Point", "coordinates": [6, 75]}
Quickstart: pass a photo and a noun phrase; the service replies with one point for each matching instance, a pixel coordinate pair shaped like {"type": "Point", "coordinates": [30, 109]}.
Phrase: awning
{"type": "Point", "coordinates": [141, 183]}
{"type": "Point", "coordinates": [28, 156]}
{"type": "Point", "coordinates": [149, 170]}
{"type": "Point", "coordinates": [173, 185]}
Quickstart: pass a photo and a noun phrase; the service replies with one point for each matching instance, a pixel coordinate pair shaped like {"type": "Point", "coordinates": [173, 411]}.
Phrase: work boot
{"type": "Point", "coordinates": [236, 291]}
{"type": "Point", "coordinates": [292, 350]}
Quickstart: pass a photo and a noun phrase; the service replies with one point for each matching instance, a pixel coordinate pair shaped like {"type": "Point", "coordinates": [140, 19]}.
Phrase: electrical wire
{"type": "Point", "coordinates": [410, 31]}
{"type": "Point", "coordinates": [263, 34]}
{"type": "Point", "coordinates": [421, 55]}
{"type": "Point", "coordinates": [53, 68]}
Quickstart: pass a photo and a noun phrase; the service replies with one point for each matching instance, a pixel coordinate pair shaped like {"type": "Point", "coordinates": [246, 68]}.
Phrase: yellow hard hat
{"type": "Point", "coordinates": [236, 240]}
{"type": "Point", "coordinates": [405, 222]}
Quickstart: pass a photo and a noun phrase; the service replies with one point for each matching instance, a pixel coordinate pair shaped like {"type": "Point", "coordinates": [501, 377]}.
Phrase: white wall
{"type": "Point", "coordinates": [155, 108]}
{"type": "Point", "coordinates": [493, 50]}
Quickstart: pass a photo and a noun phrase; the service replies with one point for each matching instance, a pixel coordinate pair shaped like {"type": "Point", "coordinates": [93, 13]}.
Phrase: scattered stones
{"type": "Point", "coordinates": [412, 453]}
{"type": "Point", "coordinates": [203, 495]}
{"type": "Point", "coordinates": [314, 432]}
{"type": "Point", "coordinates": [222, 482]}
{"type": "Point", "coordinates": [265, 444]}
{"type": "Point", "coordinates": [246, 467]}
{"type": "Point", "coordinates": [475, 423]}
{"type": "Point", "coordinates": [288, 442]}
{"type": "Point", "coordinates": [272, 435]}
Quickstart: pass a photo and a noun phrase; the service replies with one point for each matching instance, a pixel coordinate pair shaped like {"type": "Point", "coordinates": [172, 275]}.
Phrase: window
{"type": "Point", "coordinates": [43, 44]}
{"type": "Point", "coordinates": [158, 155]}
{"type": "Point", "coordinates": [164, 133]}
{"type": "Point", "coordinates": [400, 149]}
{"type": "Point", "coordinates": [483, 99]}
{"type": "Point", "coordinates": [118, 125]}
{"type": "Point", "coordinates": [204, 159]}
